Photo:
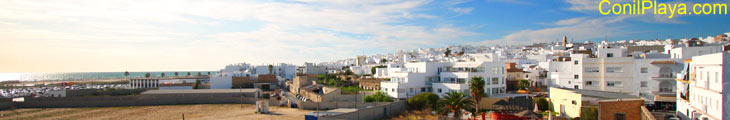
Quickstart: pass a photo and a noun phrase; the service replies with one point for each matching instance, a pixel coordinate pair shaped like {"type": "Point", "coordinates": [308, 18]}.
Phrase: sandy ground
{"type": "Point", "coordinates": [170, 112]}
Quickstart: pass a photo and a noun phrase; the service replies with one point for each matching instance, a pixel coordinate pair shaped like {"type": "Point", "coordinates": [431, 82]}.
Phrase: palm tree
{"type": "Point", "coordinates": [455, 101]}
{"type": "Point", "coordinates": [162, 74]}
{"type": "Point", "coordinates": [271, 67]}
{"type": "Point", "coordinates": [176, 74]}
{"type": "Point", "coordinates": [476, 89]}
{"type": "Point", "coordinates": [148, 75]}
{"type": "Point", "coordinates": [188, 73]}
{"type": "Point", "coordinates": [208, 73]}
{"type": "Point", "coordinates": [126, 73]}
{"type": "Point", "coordinates": [199, 74]}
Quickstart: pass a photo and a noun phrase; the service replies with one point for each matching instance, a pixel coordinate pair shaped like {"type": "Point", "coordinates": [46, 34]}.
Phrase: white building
{"type": "Point", "coordinates": [457, 76]}
{"type": "Point", "coordinates": [703, 88]}
{"type": "Point", "coordinates": [222, 80]}
{"type": "Point", "coordinates": [441, 77]}
{"type": "Point", "coordinates": [612, 69]}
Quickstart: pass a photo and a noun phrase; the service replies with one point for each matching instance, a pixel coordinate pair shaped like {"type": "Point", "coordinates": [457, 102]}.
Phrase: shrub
{"type": "Point", "coordinates": [378, 97]}
{"type": "Point", "coordinates": [423, 100]}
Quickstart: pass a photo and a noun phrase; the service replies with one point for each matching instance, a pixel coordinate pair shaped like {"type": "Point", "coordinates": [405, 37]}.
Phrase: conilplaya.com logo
{"type": "Point", "coordinates": [641, 7]}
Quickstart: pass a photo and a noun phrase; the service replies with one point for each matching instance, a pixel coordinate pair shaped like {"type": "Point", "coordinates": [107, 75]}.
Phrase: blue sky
{"type": "Point", "coordinates": [131, 35]}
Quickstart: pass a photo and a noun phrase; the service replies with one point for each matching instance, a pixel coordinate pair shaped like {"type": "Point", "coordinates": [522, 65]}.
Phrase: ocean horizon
{"type": "Point", "coordinates": [53, 76]}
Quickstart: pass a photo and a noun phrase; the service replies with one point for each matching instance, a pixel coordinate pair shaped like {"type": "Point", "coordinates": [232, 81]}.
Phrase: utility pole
{"type": "Point", "coordinates": [241, 92]}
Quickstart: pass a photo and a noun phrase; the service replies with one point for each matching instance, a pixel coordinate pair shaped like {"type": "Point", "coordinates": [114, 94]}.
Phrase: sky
{"type": "Point", "coordinates": [175, 35]}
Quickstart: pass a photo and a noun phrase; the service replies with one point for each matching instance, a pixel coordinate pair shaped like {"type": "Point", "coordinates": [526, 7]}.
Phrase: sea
{"type": "Point", "coordinates": [90, 75]}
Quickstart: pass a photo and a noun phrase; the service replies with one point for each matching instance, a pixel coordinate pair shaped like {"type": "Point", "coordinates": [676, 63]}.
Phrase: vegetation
{"type": "Point", "coordinates": [373, 69]}
{"type": "Point", "coordinates": [378, 97]}
{"type": "Point", "coordinates": [126, 73]}
{"type": "Point", "coordinates": [423, 100]}
{"type": "Point", "coordinates": [383, 60]}
{"type": "Point", "coordinates": [448, 52]}
{"type": "Point", "coordinates": [199, 74]}
{"type": "Point", "coordinates": [348, 72]}
{"type": "Point", "coordinates": [588, 113]}
{"type": "Point", "coordinates": [148, 75]}
{"type": "Point", "coordinates": [476, 89]}
{"type": "Point", "coordinates": [455, 101]}
{"type": "Point", "coordinates": [350, 90]}
{"type": "Point", "coordinates": [188, 73]}
{"type": "Point", "coordinates": [208, 73]}
{"type": "Point", "coordinates": [543, 104]}
{"type": "Point", "coordinates": [523, 85]}
{"type": "Point", "coordinates": [162, 74]}
{"type": "Point", "coordinates": [176, 74]}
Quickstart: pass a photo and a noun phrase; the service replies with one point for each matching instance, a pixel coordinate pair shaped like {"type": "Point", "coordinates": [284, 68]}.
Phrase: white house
{"type": "Point", "coordinates": [457, 76]}
{"type": "Point", "coordinates": [703, 88]}
{"type": "Point", "coordinates": [441, 77]}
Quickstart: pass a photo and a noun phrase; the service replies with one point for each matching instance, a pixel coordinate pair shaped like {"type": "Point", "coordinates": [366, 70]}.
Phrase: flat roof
{"type": "Point", "coordinates": [198, 91]}
{"type": "Point", "coordinates": [601, 94]}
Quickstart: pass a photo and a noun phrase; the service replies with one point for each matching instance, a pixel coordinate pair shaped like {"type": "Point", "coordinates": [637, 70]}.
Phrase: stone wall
{"type": "Point", "coordinates": [371, 113]}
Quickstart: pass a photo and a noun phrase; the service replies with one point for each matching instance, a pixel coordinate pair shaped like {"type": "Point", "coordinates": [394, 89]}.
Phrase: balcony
{"type": "Point", "coordinates": [665, 76]}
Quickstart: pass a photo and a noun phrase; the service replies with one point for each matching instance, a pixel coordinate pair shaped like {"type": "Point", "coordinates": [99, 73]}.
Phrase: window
{"type": "Point", "coordinates": [591, 69]}
{"type": "Point", "coordinates": [495, 80]}
{"type": "Point", "coordinates": [392, 90]}
{"type": "Point", "coordinates": [495, 90]}
{"type": "Point", "coordinates": [439, 90]}
{"type": "Point", "coordinates": [576, 77]}
{"type": "Point", "coordinates": [423, 89]}
{"type": "Point", "coordinates": [410, 90]}
{"type": "Point", "coordinates": [575, 62]}
{"type": "Point", "coordinates": [576, 87]}
{"type": "Point", "coordinates": [614, 84]}
{"type": "Point", "coordinates": [643, 83]}
{"type": "Point", "coordinates": [614, 69]}
{"type": "Point", "coordinates": [590, 83]}
{"type": "Point", "coordinates": [609, 55]}
{"type": "Point", "coordinates": [487, 82]}
{"type": "Point", "coordinates": [619, 116]}
{"type": "Point", "coordinates": [644, 70]}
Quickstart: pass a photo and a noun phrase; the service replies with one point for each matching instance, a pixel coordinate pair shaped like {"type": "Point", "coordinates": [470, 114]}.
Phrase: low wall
{"type": "Point", "coordinates": [371, 113]}
{"type": "Point", "coordinates": [5, 103]}
{"type": "Point", "coordinates": [118, 101]}
{"type": "Point", "coordinates": [335, 105]}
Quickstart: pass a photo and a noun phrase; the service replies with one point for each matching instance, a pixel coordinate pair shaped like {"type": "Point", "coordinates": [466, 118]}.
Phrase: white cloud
{"type": "Point", "coordinates": [462, 10]}
{"type": "Point", "coordinates": [184, 35]}
{"type": "Point", "coordinates": [574, 28]}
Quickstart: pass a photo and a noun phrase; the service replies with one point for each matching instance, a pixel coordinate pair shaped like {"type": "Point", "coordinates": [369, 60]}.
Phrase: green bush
{"type": "Point", "coordinates": [423, 100]}
{"type": "Point", "coordinates": [543, 104]}
{"type": "Point", "coordinates": [378, 97]}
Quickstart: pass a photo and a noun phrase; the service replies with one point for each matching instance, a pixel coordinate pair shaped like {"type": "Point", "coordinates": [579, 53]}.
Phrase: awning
{"type": "Point", "coordinates": [664, 62]}
{"type": "Point", "coordinates": [665, 98]}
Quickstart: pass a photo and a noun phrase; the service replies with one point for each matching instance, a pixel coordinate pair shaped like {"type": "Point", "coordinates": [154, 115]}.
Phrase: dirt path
{"type": "Point", "coordinates": [171, 112]}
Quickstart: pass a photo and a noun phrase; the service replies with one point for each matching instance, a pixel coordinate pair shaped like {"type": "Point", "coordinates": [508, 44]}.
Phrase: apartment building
{"type": "Point", "coordinates": [612, 69]}
{"type": "Point", "coordinates": [573, 103]}
{"type": "Point", "coordinates": [703, 88]}
{"type": "Point", "coordinates": [442, 77]}
{"type": "Point", "coordinates": [457, 76]}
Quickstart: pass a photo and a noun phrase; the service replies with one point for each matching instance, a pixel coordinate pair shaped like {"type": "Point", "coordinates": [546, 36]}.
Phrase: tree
{"type": "Point", "coordinates": [176, 74]}
{"type": "Point", "coordinates": [543, 104]}
{"type": "Point", "coordinates": [271, 69]}
{"type": "Point", "coordinates": [147, 75]}
{"type": "Point", "coordinates": [448, 52]}
{"type": "Point", "coordinates": [199, 74]}
{"type": "Point", "coordinates": [523, 84]}
{"type": "Point", "coordinates": [348, 72]}
{"type": "Point", "coordinates": [162, 74]}
{"type": "Point", "coordinates": [126, 73]}
{"type": "Point", "coordinates": [383, 60]}
{"type": "Point", "coordinates": [476, 89]}
{"type": "Point", "coordinates": [378, 97]}
{"type": "Point", "coordinates": [188, 73]}
{"type": "Point", "coordinates": [208, 73]}
{"type": "Point", "coordinates": [455, 101]}
{"type": "Point", "coordinates": [423, 100]}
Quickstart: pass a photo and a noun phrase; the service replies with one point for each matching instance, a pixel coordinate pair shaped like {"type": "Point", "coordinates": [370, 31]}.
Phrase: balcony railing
{"type": "Point", "coordinates": [665, 76]}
